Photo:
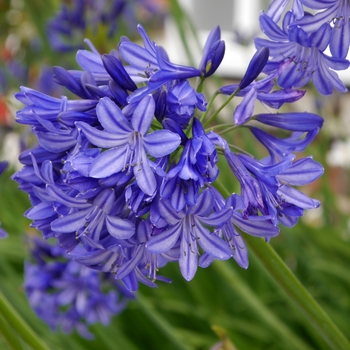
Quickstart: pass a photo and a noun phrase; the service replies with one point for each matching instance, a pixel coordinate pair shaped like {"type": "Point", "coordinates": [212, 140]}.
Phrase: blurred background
{"type": "Point", "coordinates": [224, 307]}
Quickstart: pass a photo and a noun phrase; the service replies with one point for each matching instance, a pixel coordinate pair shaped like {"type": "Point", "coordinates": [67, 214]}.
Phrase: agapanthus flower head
{"type": "Point", "coordinates": [124, 177]}
{"type": "Point", "coordinates": [334, 12]}
{"type": "Point", "coordinates": [67, 295]}
{"type": "Point", "coordinates": [75, 18]}
{"type": "Point", "coordinates": [306, 50]}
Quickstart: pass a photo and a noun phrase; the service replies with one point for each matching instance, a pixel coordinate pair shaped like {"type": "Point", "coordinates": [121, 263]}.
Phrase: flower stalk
{"type": "Point", "coordinates": [21, 327]}
{"type": "Point", "coordinates": [298, 294]}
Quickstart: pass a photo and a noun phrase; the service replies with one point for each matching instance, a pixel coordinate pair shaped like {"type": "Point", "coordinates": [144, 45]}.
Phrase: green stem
{"type": "Point", "coordinates": [229, 127]}
{"type": "Point", "coordinates": [241, 150]}
{"type": "Point", "coordinates": [200, 85]}
{"type": "Point", "coordinates": [9, 335]}
{"type": "Point", "coordinates": [222, 107]}
{"type": "Point", "coordinates": [210, 104]}
{"type": "Point", "coordinates": [161, 322]}
{"type": "Point", "coordinates": [240, 287]}
{"type": "Point", "coordinates": [297, 293]}
{"type": "Point", "coordinates": [19, 325]}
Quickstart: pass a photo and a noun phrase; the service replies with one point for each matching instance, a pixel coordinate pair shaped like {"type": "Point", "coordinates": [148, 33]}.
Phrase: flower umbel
{"type": "Point", "coordinates": [127, 177]}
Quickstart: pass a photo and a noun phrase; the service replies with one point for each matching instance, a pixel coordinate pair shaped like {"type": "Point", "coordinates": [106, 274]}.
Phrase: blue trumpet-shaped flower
{"type": "Point", "coordinates": [67, 295]}
{"type": "Point", "coordinates": [336, 12]}
{"type": "Point", "coordinates": [188, 228]}
{"type": "Point", "coordinates": [306, 52]}
{"type": "Point", "coordinates": [127, 143]}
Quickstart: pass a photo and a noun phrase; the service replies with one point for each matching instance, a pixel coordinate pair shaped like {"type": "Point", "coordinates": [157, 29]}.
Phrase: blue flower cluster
{"type": "Point", "coordinates": [125, 177]}
{"type": "Point", "coordinates": [69, 26]}
{"type": "Point", "coordinates": [67, 295]}
{"type": "Point", "coordinates": [303, 38]}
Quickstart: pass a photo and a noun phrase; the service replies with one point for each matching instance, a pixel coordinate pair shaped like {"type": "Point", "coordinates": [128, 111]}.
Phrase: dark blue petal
{"type": "Point", "coordinates": [255, 67]}
{"type": "Point", "coordinates": [292, 121]}
{"type": "Point", "coordinates": [118, 73]}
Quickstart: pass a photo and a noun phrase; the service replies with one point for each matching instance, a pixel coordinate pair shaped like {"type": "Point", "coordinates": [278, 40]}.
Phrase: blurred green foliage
{"type": "Point", "coordinates": [224, 305]}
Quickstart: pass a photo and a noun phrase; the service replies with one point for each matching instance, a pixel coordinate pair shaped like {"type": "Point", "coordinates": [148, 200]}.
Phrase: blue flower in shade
{"type": "Point", "coordinates": [336, 12]}
{"type": "Point", "coordinates": [306, 51]}
{"type": "Point", "coordinates": [188, 228]}
{"type": "Point", "coordinates": [128, 259]}
{"type": "Point", "coordinates": [67, 295]}
{"type": "Point", "coordinates": [128, 142]}
{"type": "Point", "coordinates": [141, 264]}
{"type": "Point", "coordinates": [72, 21]}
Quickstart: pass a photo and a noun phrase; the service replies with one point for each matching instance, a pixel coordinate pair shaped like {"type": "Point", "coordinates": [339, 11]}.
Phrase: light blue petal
{"type": "Point", "coordinates": [101, 138]}
{"type": "Point", "coordinates": [258, 228]}
{"type": "Point", "coordinates": [161, 143]}
{"type": "Point", "coordinates": [293, 196]}
{"type": "Point", "coordinates": [188, 260]}
{"type": "Point", "coordinates": [211, 243]}
{"type": "Point", "coordinates": [143, 115]}
{"type": "Point", "coordinates": [90, 61]}
{"type": "Point", "coordinates": [119, 228]}
{"type": "Point", "coordinates": [166, 240]}
{"type": "Point", "coordinates": [302, 172]}
{"type": "Point", "coordinates": [245, 109]}
{"type": "Point", "coordinates": [144, 175]}
{"type": "Point", "coordinates": [71, 222]}
{"type": "Point", "coordinates": [108, 163]}
{"type": "Point", "coordinates": [218, 218]}
{"type": "Point", "coordinates": [111, 117]}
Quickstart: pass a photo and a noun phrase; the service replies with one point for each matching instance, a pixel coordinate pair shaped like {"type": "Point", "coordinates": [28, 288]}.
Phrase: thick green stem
{"type": "Point", "coordinates": [19, 325]}
{"type": "Point", "coordinates": [240, 287]}
{"type": "Point", "coordinates": [9, 335]}
{"type": "Point", "coordinates": [160, 322]}
{"type": "Point", "coordinates": [297, 293]}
